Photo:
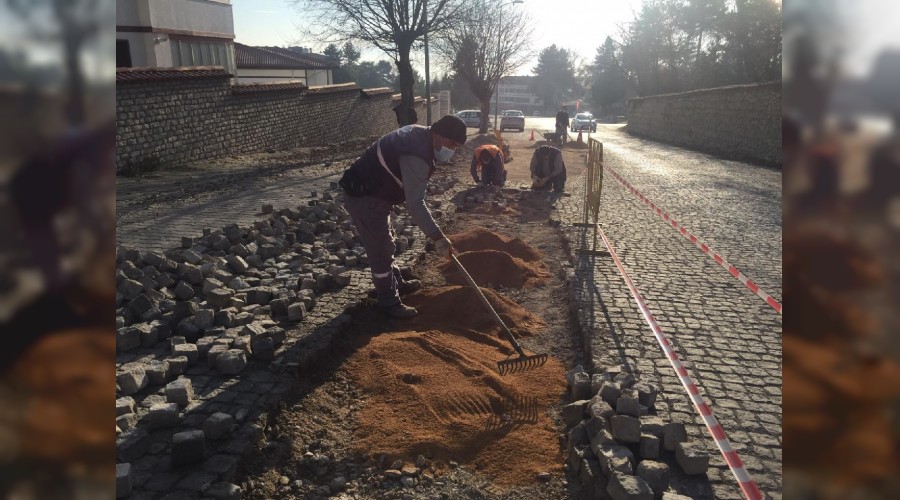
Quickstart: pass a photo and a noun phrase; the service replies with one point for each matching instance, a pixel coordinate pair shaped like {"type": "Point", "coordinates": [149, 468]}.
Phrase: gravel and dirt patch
{"type": "Point", "coordinates": [417, 409]}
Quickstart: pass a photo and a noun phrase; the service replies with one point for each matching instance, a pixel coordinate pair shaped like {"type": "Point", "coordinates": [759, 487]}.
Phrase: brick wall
{"type": "Point", "coordinates": [740, 122]}
{"type": "Point", "coordinates": [182, 116]}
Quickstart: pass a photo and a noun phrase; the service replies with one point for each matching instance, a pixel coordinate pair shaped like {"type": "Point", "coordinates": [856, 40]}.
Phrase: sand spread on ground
{"type": "Point", "coordinates": [439, 394]}
{"type": "Point", "coordinates": [434, 389]}
{"type": "Point", "coordinates": [493, 268]}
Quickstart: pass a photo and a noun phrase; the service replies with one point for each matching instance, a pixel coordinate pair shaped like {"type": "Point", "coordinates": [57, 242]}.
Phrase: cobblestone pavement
{"type": "Point", "coordinates": [735, 207]}
{"type": "Point", "coordinates": [161, 225]}
{"type": "Point", "coordinates": [729, 339]}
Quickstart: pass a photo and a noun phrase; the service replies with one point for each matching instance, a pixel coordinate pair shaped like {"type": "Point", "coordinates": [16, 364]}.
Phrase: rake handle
{"type": "Point", "coordinates": [484, 300]}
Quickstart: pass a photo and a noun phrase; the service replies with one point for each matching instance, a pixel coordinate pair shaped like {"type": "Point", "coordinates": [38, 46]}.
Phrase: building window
{"type": "Point", "coordinates": [191, 53]}
{"type": "Point", "coordinates": [123, 54]}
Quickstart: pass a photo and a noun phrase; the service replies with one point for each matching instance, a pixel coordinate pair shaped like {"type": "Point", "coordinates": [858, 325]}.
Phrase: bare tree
{"type": "Point", "coordinates": [393, 26]}
{"type": "Point", "coordinates": [74, 24]}
{"type": "Point", "coordinates": [481, 50]}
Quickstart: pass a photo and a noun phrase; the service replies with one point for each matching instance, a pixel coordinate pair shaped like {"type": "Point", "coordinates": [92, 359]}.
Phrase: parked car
{"type": "Point", "coordinates": [536, 113]}
{"type": "Point", "coordinates": [512, 119]}
{"type": "Point", "coordinates": [471, 117]}
{"type": "Point", "coordinates": [583, 122]}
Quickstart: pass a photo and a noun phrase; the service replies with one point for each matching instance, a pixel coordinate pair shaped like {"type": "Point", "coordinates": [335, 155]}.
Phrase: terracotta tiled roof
{"type": "Point", "coordinates": [150, 73]}
{"type": "Point", "coordinates": [276, 57]}
{"type": "Point", "coordinates": [250, 88]}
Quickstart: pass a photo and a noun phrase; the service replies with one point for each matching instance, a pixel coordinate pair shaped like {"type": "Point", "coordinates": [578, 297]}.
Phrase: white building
{"type": "Point", "coordinates": [174, 33]}
{"type": "Point", "coordinates": [514, 94]}
{"type": "Point", "coordinates": [277, 64]}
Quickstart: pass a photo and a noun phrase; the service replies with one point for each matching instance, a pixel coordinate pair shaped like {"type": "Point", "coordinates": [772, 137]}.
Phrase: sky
{"type": "Point", "coordinates": [579, 25]}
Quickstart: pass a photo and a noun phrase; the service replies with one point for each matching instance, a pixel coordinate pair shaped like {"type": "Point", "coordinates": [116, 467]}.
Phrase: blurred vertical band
{"type": "Point", "coordinates": [841, 145]}
{"type": "Point", "coordinates": [57, 248]}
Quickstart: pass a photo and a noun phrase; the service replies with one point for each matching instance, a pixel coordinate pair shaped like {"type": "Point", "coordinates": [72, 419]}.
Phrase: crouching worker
{"type": "Point", "coordinates": [393, 170]}
{"type": "Point", "coordinates": [548, 169]}
{"type": "Point", "coordinates": [489, 159]}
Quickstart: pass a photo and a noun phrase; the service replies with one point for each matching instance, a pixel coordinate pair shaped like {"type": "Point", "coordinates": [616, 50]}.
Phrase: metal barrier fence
{"type": "Point", "coordinates": [593, 186]}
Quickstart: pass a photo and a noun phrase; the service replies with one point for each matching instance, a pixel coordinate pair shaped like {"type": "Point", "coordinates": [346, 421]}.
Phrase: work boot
{"type": "Point", "coordinates": [410, 286]}
{"type": "Point", "coordinates": [399, 311]}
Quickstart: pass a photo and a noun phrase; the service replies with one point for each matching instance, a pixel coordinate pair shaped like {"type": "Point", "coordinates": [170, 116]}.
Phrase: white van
{"type": "Point", "coordinates": [471, 117]}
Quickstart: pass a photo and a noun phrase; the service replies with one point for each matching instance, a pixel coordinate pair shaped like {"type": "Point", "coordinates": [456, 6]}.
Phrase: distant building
{"type": "Point", "coordinates": [277, 64]}
{"type": "Point", "coordinates": [514, 94]}
{"type": "Point", "coordinates": [174, 33]}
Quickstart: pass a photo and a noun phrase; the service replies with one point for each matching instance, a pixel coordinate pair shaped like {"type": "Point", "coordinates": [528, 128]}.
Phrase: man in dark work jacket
{"type": "Point", "coordinates": [392, 171]}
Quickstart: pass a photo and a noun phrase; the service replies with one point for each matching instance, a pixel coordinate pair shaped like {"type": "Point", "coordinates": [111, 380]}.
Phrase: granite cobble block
{"type": "Point", "coordinates": [627, 487]}
{"type": "Point", "coordinates": [610, 392]}
{"type": "Point", "coordinates": [180, 392]}
{"type": "Point", "coordinates": [124, 405]}
{"type": "Point", "coordinates": [127, 339]}
{"type": "Point", "coordinates": [296, 311]}
{"type": "Point", "coordinates": [648, 446]}
{"type": "Point", "coordinates": [124, 480]}
{"type": "Point", "coordinates": [163, 415]}
{"type": "Point", "coordinates": [157, 371]}
{"type": "Point", "coordinates": [231, 361]}
{"type": "Point", "coordinates": [656, 474]}
{"type": "Point", "coordinates": [692, 457]}
{"type": "Point", "coordinates": [626, 429]}
{"type": "Point", "coordinates": [177, 365]}
{"type": "Point", "coordinates": [218, 425]}
{"type": "Point", "coordinates": [581, 386]}
{"type": "Point", "coordinates": [627, 405]}
{"type": "Point", "coordinates": [132, 379]}
{"type": "Point", "coordinates": [187, 350]}
{"type": "Point", "coordinates": [573, 413]}
{"type": "Point", "coordinates": [673, 433]}
{"type": "Point", "coordinates": [188, 447]}
{"type": "Point", "coordinates": [652, 424]}
{"type": "Point", "coordinates": [132, 445]}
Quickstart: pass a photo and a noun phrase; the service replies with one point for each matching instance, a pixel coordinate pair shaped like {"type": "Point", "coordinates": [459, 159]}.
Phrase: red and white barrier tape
{"type": "Point", "coordinates": [747, 484]}
{"type": "Point", "coordinates": [698, 243]}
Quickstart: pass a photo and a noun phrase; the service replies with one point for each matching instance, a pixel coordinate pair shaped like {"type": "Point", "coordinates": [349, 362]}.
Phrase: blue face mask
{"type": "Point", "coordinates": [443, 154]}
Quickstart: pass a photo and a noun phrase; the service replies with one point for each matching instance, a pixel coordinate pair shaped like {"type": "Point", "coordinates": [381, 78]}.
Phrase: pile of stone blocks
{"type": "Point", "coordinates": [214, 313]}
{"type": "Point", "coordinates": [615, 441]}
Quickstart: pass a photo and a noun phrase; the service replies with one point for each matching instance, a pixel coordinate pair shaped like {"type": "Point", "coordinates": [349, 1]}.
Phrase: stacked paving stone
{"type": "Point", "coordinates": [202, 314]}
{"type": "Point", "coordinates": [616, 443]}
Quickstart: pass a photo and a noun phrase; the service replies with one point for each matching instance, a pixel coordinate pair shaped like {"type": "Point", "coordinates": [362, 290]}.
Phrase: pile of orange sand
{"type": "Point", "coordinates": [492, 268]}
{"type": "Point", "coordinates": [458, 307]}
{"type": "Point", "coordinates": [482, 239]}
{"type": "Point", "coordinates": [495, 260]}
{"type": "Point", "coordinates": [438, 394]}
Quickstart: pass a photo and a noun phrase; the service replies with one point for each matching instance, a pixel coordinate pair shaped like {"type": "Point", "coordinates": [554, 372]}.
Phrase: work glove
{"type": "Point", "coordinates": [444, 247]}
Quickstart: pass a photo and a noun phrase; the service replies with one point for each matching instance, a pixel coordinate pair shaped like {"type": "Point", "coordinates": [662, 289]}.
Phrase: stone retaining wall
{"type": "Point", "coordinates": [174, 117]}
{"type": "Point", "coordinates": [741, 122]}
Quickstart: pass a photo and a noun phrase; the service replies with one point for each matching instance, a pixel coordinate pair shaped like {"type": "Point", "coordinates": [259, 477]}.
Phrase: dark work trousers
{"type": "Point", "coordinates": [371, 216]}
{"type": "Point", "coordinates": [558, 183]}
{"type": "Point", "coordinates": [493, 175]}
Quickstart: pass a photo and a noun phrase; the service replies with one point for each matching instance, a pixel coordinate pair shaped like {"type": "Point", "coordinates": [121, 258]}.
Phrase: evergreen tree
{"type": "Point", "coordinates": [555, 79]}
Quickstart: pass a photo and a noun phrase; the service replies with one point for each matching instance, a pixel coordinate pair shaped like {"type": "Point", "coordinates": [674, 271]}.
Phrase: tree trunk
{"type": "Point", "coordinates": [485, 112]}
{"type": "Point", "coordinates": [405, 75]}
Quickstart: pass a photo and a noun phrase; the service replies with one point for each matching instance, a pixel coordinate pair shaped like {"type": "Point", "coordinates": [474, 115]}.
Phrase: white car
{"type": "Point", "coordinates": [512, 119]}
{"type": "Point", "coordinates": [471, 117]}
{"type": "Point", "coordinates": [583, 122]}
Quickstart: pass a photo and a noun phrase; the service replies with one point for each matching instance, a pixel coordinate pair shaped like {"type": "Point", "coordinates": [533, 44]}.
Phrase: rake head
{"type": "Point", "coordinates": [520, 363]}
